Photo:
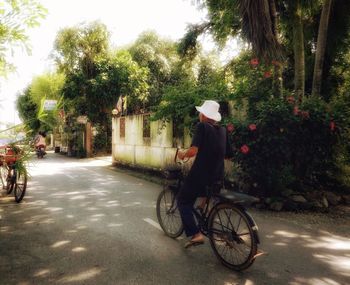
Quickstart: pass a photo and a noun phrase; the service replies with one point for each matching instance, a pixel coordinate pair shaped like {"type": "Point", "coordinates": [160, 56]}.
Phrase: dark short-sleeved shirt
{"type": "Point", "coordinates": [208, 166]}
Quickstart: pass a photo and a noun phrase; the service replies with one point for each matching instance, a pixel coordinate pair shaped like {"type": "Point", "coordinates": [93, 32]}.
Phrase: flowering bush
{"type": "Point", "coordinates": [287, 146]}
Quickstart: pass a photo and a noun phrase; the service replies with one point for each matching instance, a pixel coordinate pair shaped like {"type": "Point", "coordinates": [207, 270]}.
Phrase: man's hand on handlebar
{"type": "Point", "coordinates": [191, 152]}
{"type": "Point", "coordinates": [181, 155]}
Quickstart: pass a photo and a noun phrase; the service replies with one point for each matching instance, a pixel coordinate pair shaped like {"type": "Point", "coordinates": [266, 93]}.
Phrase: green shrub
{"type": "Point", "coordinates": [284, 145]}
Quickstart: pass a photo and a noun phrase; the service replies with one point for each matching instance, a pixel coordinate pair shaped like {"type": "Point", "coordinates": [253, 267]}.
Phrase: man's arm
{"type": "Point", "coordinates": [196, 143]}
{"type": "Point", "coordinates": [191, 152]}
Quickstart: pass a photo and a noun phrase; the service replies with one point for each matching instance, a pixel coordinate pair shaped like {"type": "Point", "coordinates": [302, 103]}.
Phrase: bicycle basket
{"type": "Point", "coordinates": [172, 174]}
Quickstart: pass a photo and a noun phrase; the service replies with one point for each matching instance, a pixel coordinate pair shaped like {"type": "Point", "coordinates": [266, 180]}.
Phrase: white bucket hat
{"type": "Point", "coordinates": [210, 109]}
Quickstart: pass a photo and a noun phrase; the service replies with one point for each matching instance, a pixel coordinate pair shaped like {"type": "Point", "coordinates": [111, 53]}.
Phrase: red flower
{"type": "Point", "coordinates": [275, 62]}
{"type": "Point", "coordinates": [267, 74]}
{"type": "Point", "coordinates": [244, 149]}
{"type": "Point", "coordinates": [305, 114]}
{"type": "Point", "coordinates": [291, 99]}
{"type": "Point", "coordinates": [296, 111]}
{"type": "Point", "coordinates": [252, 127]}
{"type": "Point", "coordinates": [254, 62]}
{"type": "Point", "coordinates": [332, 126]}
{"type": "Point", "coordinates": [230, 128]}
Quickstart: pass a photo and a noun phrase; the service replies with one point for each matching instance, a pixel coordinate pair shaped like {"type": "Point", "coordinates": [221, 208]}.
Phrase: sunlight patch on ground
{"type": "Point", "coordinates": [338, 263]}
{"type": "Point", "coordinates": [72, 193]}
{"type": "Point", "coordinates": [41, 273]}
{"type": "Point", "coordinates": [79, 249]}
{"type": "Point", "coordinates": [114, 225]}
{"type": "Point", "coordinates": [4, 229]}
{"type": "Point", "coordinates": [335, 242]}
{"type": "Point", "coordinates": [314, 281]}
{"type": "Point", "coordinates": [81, 227]}
{"type": "Point", "coordinates": [47, 221]}
{"type": "Point", "coordinates": [88, 274]}
{"type": "Point", "coordinates": [54, 209]}
{"type": "Point", "coordinates": [94, 220]}
{"type": "Point", "coordinates": [38, 203]}
{"type": "Point", "coordinates": [286, 234]}
{"type": "Point", "coordinates": [113, 205]}
{"type": "Point", "coordinates": [281, 244]}
{"type": "Point", "coordinates": [62, 167]}
{"type": "Point", "coordinates": [79, 197]}
{"type": "Point", "coordinates": [60, 243]}
{"type": "Point", "coordinates": [98, 215]}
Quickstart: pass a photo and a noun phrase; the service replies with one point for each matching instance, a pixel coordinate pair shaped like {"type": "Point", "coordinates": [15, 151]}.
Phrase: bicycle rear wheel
{"type": "Point", "coordinates": [232, 237]}
{"type": "Point", "coordinates": [3, 175]}
{"type": "Point", "coordinates": [6, 179]}
{"type": "Point", "coordinates": [168, 214]}
{"type": "Point", "coordinates": [20, 186]}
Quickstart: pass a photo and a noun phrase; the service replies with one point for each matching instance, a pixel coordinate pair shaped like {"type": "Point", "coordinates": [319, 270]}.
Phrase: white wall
{"type": "Point", "coordinates": [156, 152]}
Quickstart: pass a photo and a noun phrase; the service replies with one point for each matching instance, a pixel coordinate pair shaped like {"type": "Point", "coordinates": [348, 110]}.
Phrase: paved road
{"type": "Point", "coordinates": [84, 222]}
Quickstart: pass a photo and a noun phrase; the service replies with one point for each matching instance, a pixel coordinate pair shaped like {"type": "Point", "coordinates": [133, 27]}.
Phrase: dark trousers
{"type": "Point", "coordinates": [185, 201]}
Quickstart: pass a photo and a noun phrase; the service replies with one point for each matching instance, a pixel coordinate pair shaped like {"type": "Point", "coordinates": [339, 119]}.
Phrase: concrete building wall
{"type": "Point", "coordinates": [155, 151]}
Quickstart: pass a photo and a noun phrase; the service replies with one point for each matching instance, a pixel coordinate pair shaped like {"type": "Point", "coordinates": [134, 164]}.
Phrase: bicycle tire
{"type": "Point", "coordinates": [7, 181]}
{"type": "Point", "coordinates": [168, 214]}
{"type": "Point", "coordinates": [3, 175]}
{"type": "Point", "coordinates": [231, 234]}
{"type": "Point", "coordinates": [20, 186]}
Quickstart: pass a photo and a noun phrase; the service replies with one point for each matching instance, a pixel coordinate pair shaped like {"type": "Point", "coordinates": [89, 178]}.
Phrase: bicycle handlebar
{"type": "Point", "coordinates": [182, 161]}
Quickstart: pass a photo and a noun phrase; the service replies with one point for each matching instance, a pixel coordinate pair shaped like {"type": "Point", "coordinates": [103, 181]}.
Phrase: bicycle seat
{"type": "Point", "coordinates": [237, 198]}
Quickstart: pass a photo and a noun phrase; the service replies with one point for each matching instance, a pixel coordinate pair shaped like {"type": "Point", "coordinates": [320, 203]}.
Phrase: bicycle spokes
{"type": "Point", "coordinates": [168, 214]}
{"type": "Point", "coordinates": [232, 238]}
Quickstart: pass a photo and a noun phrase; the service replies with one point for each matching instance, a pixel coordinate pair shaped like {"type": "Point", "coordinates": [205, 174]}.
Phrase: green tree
{"type": "Point", "coordinates": [77, 48]}
{"type": "Point", "coordinates": [159, 56]}
{"type": "Point", "coordinates": [17, 16]}
{"type": "Point", "coordinates": [28, 110]}
{"type": "Point", "coordinates": [48, 86]}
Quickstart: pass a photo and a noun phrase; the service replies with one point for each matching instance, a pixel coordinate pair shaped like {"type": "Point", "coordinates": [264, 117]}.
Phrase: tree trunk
{"type": "Point", "coordinates": [277, 83]}
{"type": "Point", "coordinates": [299, 56]}
{"type": "Point", "coordinates": [321, 48]}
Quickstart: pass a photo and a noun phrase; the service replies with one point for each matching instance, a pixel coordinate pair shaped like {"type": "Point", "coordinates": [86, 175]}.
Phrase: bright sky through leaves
{"type": "Point", "coordinates": [124, 19]}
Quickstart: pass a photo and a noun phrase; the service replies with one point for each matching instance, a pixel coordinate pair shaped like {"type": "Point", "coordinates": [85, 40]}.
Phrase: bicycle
{"type": "Point", "coordinates": [232, 232]}
{"type": "Point", "coordinates": [12, 177]}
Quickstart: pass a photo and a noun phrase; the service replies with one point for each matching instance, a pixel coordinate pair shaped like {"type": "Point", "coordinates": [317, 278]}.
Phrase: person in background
{"type": "Point", "coordinates": [40, 141]}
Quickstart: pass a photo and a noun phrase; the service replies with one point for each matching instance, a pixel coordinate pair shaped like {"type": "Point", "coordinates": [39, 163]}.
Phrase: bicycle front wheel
{"type": "Point", "coordinates": [20, 186]}
{"type": "Point", "coordinates": [232, 237]}
{"type": "Point", "coordinates": [168, 214]}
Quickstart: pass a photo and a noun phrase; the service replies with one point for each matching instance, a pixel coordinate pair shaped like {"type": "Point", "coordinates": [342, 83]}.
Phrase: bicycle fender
{"type": "Point", "coordinates": [253, 225]}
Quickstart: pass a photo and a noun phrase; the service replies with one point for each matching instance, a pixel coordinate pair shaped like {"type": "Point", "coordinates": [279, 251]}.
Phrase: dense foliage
{"type": "Point", "coordinates": [286, 145]}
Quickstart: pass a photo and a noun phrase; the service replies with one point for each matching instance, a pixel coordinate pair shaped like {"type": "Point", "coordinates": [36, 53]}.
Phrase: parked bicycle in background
{"type": "Point", "coordinates": [13, 173]}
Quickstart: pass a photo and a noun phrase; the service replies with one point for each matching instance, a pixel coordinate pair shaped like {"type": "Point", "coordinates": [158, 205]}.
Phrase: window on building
{"type": "Point", "coordinates": [122, 127]}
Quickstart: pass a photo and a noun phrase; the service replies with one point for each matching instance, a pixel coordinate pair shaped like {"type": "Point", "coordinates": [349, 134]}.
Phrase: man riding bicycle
{"type": "Point", "coordinates": [209, 145]}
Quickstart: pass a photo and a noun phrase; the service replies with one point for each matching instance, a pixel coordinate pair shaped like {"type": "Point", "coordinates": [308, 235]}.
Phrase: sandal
{"type": "Point", "coordinates": [193, 243]}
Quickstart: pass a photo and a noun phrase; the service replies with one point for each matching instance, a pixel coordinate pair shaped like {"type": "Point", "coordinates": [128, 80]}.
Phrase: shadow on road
{"type": "Point", "coordinates": [79, 224]}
